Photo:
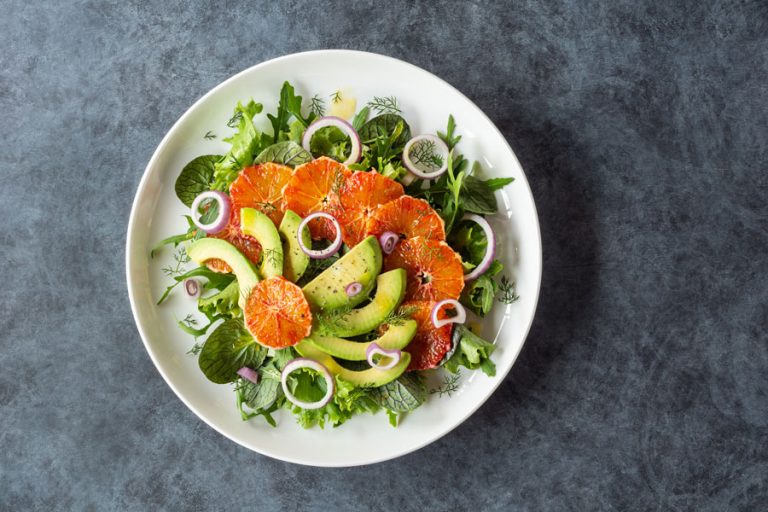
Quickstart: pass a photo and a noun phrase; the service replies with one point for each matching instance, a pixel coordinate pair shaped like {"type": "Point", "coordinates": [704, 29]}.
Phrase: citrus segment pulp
{"type": "Point", "coordinates": [430, 344]}
{"type": "Point", "coordinates": [408, 217]}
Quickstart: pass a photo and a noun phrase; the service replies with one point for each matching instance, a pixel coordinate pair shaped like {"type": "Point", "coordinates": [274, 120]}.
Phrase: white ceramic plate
{"type": "Point", "coordinates": [426, 102]}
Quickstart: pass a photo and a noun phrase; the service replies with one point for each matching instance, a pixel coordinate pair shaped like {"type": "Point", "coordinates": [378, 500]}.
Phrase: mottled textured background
{"type": "Point", "coordinates": [642, 126]}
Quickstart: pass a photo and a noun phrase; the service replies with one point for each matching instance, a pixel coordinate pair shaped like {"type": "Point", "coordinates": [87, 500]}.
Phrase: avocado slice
{"type": "Point", "coordinates": [397, 337]}
{"type": "Point", "coordinates": [370, 378]}
{"type": "Point", "coordinates": [390, 290]}
{"type": "Point", "coordinates": [295, 261]}
{"type": "Point", "coordinates": [209, 248]}
{"type": "Point", "coordinates": [361, 264]}
{"type": "Point", "coordinates": [259, 226]}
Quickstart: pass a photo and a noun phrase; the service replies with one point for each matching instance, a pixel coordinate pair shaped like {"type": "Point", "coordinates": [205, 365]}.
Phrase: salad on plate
{"type": "Point", "coordinates": [342, 262]}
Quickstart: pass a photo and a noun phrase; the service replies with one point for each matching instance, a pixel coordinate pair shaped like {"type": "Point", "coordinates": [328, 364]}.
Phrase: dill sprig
{"type": "Point", "coordinates": [317, 105]}
{"type": "Point", "coordinates": [266, 206]}
{"type": "Point", "coordinates": [385, 105]}
{"type": "Point", "coordinates": [209, 135]}
{"type": "Point", "coordinates": [271, 256]}
{"type": "Point", "coordinates": [400, 316]}
{"type": "Point", "coordinates": [449, 386]}
{"type": "Point", "coordinates": [180, 258]}
{"type": "Point", "coordinates": [336, 97]}
{"type": "Point", "coordinates": [507, 294]}
{"type": "Point", "coordinates": [196, 348]}
{"type": "Point", "coordinates": [235, 119]}
{"type": "Point", "coordinates": [424, 153]}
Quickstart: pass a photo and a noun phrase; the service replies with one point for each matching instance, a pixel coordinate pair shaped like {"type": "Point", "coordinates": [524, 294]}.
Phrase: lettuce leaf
{"type": "Point", "coordinates": [246, 142]}
{"type": "Point", "coordinates": [472, 352]}
{"type": "Point", "coordinates": [348, 401]}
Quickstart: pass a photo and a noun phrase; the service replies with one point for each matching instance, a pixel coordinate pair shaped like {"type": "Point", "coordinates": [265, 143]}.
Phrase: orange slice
{"type": "Point", "coordinates": [431, 344]}
{"type": "Point", "coordinates": [315, 187]}
{"type": "Point", "coordinates": [434, 270]}
{"type": "Point", "coordinates": [362, 193]}
{"type": "Point", "coordinates": [408, 217]}
{"type": "Point", "coordinates": [260, 187]}
{"type": "Point", "coordinates": [277, 313]}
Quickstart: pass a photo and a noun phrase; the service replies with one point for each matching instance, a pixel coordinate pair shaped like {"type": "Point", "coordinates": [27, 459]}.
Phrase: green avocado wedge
{"type": "Point", "coordinates": [390, 290]}
{"type": "Point", "coordinates": [295, 261]}
{"type": "Point", "coordinates": [362, 264]}
{"type": "Point", "coordinates": [397, 337]}
{"type": "Point", "coordinates": [209, 248]}
{"type": "Point", "coordinates": [259, 226]}
{"type": "Point", "coordinates": [370, 378]}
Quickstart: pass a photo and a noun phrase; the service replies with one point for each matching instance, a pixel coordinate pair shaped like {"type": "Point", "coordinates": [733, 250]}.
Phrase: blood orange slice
{"type": "Point", "coordinates": [315, 187]}
{"type": "Point", "coordinates": [431, 344]}
{"type": "Point", "coordinates": [434, 270]}
{"type": "Point", "coordinates": [277, 314]}
{"type": "Point", "coordinates": [408, 217]}
{"type": "Point", "coordinates": [362, 193]}
{"type": "Point", "coordinates": [260, 187]}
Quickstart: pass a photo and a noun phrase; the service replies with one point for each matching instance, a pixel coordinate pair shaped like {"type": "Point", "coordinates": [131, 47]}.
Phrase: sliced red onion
{"type": "Point", "coordinates": [374, 349]}
{"type": "Point", "coordinates": [414, 168]}
{"type": "Point", "coordinates": [460, 318]}
{"type": "Point", "coordinates": [329, 251]}
{"type": "Point", "coordinates": [248, 374]}
{"type": "Point", "coordinates": [490, 251]}
{"type": "Point", "coordinates": [353, 289]}
{"type": "Point", "coordinates": [324, 122]}
{"type": "Point", "coordinates": [192, 287]}
{"type": "Point", "coordinates": [302, 362]}
{"type": "Point", "coordinates": [388, 241]}
{"type": "Point", "coordinates": [220, 222]}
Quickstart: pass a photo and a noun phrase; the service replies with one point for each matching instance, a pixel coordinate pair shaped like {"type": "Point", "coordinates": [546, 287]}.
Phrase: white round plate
{"type": "Point", "coordinates": [426, 102]}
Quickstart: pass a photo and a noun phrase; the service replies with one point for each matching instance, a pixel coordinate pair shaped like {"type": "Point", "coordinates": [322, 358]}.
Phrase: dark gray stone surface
{"type": "Point", "coordinates": [642, 126]}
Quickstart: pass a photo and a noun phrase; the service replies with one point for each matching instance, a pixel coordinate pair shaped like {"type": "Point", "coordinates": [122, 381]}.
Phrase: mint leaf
{"type": "Point", "coordinates": [227, 349]}
{"type": "Point", "coordinates": [263, 394]}
{"type": "Point", "coordinates": [286, 153]}
{"type": "Point", "coordinates": [404, 394]}
{"type": "Point", "coordinates": [498, 183]}
{"type": "Point", "coordinates": [195, 178]}
{"type": "Point", "coordinates": [384, 126]}
{"type": "Point", "coordinates": [478, 197]}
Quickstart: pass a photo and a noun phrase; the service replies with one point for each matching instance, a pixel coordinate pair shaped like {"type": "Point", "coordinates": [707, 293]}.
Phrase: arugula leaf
{"type": "Point", "coordinates": [403, 394]}
{"type": "Point", "coordinates": [286, 153]}
{"type": "Point", "coordinates": [359, 120]}
{"type": "Point", "coordinates": [227, 349]}
{"type": "Point", "coordinates": [472, 352]}
{"type": "Point", "coordinates": [449, 136]}
{"type": "Point", "coordinates": [290, 105]}
{"type": "Point", "coordinates": [195, 178]}
{"type": "Point", "coordinates": [216, 280]}
{"type": "Point", "coordinates": [222, 303]}
{"type": "Point", "coordinates": [246, 141]}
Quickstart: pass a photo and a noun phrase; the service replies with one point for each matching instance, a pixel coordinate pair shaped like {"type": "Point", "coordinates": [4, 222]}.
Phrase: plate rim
{"type": "Point", "coordinates": [140, 191]}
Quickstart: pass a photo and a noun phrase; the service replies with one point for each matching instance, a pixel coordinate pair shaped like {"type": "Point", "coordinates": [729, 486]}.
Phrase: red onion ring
{"type": "Point", "coordinates": [192, 287]}
{"type": "Point", "coordinates": [374, 349]}
{"type": "Point", "coordinates": [490, 251]}
{"type": "Point", "coordinates": [460, 318]}
{"type": "Point", "coordinates": [324, 122]}
{"type": "Point", "coordinates": [302, 362]}
{"type": "Point", "coordinates": [329, 251]}
{"type": "Point", "coordinates": [413, 168]}
{"type": "Point", "coordinates": [388, 241]}
{"type": "Point", "coordinates": [353, 289]}
{"type": "Point", "coordinates": [248, 374]}
{"type": "Point", "coordinates": [221, 221]}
